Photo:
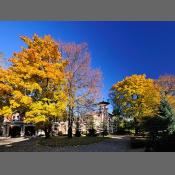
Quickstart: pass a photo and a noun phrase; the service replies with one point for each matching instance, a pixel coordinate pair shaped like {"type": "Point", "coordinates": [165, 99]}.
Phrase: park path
{"type": "Point", "coordinates": [116, 144]}
{"type": "Point", "coordinates": [8, 140]}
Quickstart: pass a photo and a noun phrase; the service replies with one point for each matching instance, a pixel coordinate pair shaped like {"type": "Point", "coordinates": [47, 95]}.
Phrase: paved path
{"type": "Point", "coordinates": [8, 140]}
{"type": "Point", "coordinates": [117, 144]}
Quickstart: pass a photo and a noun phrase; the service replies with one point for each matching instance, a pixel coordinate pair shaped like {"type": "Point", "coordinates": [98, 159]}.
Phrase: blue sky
{"type": "Point", "coordinates": [119, 49]}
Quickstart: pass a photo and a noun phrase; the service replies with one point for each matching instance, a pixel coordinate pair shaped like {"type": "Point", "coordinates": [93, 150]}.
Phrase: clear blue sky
{"type": "Point", "coordinates": [119, 49]}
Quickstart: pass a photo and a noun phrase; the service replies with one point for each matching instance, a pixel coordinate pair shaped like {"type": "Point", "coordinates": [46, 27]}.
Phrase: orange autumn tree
{"type": "Point", "coordinates": [39, 87]}
{"type": "Point", "coordinates": [137, 97]}
{"type": "Point", "coordinates": [10, 97]}
{"type": "Point", "coordinates": [167, 85]}
{"type": "Point", "coordinates": [13, 99]}
{"type": "Point", "coordinates": [5, 94]}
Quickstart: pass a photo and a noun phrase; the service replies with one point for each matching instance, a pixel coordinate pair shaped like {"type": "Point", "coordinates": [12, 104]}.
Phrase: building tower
{"type": "Point", "coordinates": [104, 116]}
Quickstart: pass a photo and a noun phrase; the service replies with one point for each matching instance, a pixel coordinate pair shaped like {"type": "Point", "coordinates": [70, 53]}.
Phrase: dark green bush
{"type": "Point", "coordinates": [77, 133]}
{"type": "Point", "coordinates": [138, 142]}
{"type": "Point", "coordinates": [104, 133]}
{"type": "Point", "coordinates": [92, 132]}
{"type": "Point", "coordinates": [164, 144]}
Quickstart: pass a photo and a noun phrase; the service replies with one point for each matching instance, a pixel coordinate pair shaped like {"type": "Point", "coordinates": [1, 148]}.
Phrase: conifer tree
{"type": "Point", "coordinates": [164, 121]}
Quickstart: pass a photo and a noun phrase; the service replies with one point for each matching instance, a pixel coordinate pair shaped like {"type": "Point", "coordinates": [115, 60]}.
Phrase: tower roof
{"type": "Point", "coordinates": [103, 103]}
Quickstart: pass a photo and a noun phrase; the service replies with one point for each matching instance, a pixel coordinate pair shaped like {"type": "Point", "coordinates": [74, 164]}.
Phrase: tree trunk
{"type": "Point", "coordinates": [70, 127]}
{"type": "Point", "coordinates": [70, 132]}
{"type": "Point", "coordinates": [78, 133]}
{"type": "Point", "coordinates": [47, 130]}
{"type": "Point", "coordinates": [70, 120]}
{"type": "Point", "coordinates": [136, 123]}
{"type": "Point", "coordinates": [47, 134]}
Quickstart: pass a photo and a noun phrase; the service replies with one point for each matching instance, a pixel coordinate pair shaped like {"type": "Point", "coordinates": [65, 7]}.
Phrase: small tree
{"type": "Point", "coordinates": [90, 125]}
{"type": "Point", "coordinates": [163, 122]}
{"type": "Point", "coordinates": [168, 113]}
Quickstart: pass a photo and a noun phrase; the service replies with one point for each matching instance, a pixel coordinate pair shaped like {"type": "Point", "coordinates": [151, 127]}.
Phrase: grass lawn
{"type": "Point", "coordinates": [61, 141]}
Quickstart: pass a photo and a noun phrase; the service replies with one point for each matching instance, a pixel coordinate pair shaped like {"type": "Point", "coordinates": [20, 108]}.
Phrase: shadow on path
{"type": "Point", "coordinates": [115, 144]}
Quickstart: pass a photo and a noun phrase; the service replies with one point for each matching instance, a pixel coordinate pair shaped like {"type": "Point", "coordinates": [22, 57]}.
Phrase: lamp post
{"type": "Point", "coordinates": [103, 112]}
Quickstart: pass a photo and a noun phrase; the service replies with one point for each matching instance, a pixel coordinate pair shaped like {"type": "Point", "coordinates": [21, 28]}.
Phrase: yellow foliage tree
{"type": "Point", "coordinates": [36, 81]}
{"type": "Point", "coordinates": [137, 97]}
{"type": "Point", "coordinates": [5, 94]}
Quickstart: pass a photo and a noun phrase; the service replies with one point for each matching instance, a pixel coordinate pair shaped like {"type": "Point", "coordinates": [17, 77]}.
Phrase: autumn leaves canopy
{"type": "Point", "coordinates": [138, 97]}
{"type": "Point", "coordinates": [36, 83]}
